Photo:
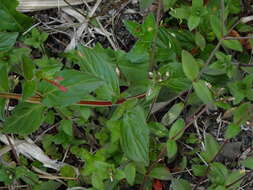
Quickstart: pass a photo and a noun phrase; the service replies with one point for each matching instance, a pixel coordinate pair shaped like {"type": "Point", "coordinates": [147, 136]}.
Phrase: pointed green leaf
{"type": "Point", "coordinates": [177, 130]}
{"type": "Point", "coordinates": [77, 84]}
{"type": "Point", "coordinates": [11, 19]}
{"type": "Point", "coordinates": [248, 163]}
{"type": "Point", "coordinates": [161, 173]}
{"type": "Point", "coordinates": [171, 147]}
{"type": "Point", "coordinates": [96, 62]}
{"type": "Point", "coordinates": [25, 119]}
{"type": "Point", "coordinates": [193, 22]}
{"type": "Point", "coordinates": [172, 114]}
{"type": "Point", "coordinates": [7, 40]}
{"type": "Point", "coordinates": [28, 89]}
{"type": "Point", "coordinates": [130, 172]}
{"type": "Point", "coordinates": [233, 177]}
{"type": "Point", "coordinates": [232, 130]}
{"type": "Point", "coordinates": [180, 184]}
{"type": "Point", "coordinates": [167, 4]}
{"type": "Point", "coordinates": [203, 92]}
{"type": "Point", "coordinates": [66, 126]}
{"type": "Point", "coordinates": [233, 44]}
{"type": "Point", "coordinates": [217, 173]}
{"type": "Point", "coordinates": [190, 66]}
{"type": "Point", "coordinates": [135, 136]}
{"type": "Point", "coordinates": [199, 170]}
{"type": "Point", "coordinates": [4, 84]}
{"type": "Point", "coordinates": [211, 148]}
{"type": "Point", "coordinates": [28, 68]}
{"type": "Point", "coordinates": [200, 41]}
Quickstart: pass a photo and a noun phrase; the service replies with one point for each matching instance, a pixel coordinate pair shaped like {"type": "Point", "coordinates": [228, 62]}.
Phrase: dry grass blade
{"type": "Point", "coordinates": [36, 5]}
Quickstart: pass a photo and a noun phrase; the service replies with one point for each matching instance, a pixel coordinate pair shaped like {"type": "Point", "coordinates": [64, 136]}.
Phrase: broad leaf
{"type": "Point", "coordinates": [203, 92]}
{"type": "Point", "coordinates": [177, 130]}
{"type": "Point", "coordinates": [78, 84]}
{"type": "Point", "coordinates": [11, 19]}
{"type": "Point", "coordinates": [180, 184]}
{"type": "Point", "coordinates": [25, 119]}
{"type": "Point", "coordinates": [193, 22]}
{"type": "Point", "coordinates": [28, 89]}
{"type": "Point", "coordinates": [218, 173]}
{"type": "Point", "coordinates": [135, 136]}
{"type": "Point", "coordinates": [167, 4]}
{"type": "Point", "coordinates": [200, 41]}
{"type": "Point", "coordinates": [4, 84]}
{"type": "Point", "coordinates": [161, 173]}
{"type": "Point", "coordinates": [211, 148]}
{"type": "Point", "coordinates": [233, 177]}
{"type": "Point", "coordinates": [7, 40]}
{"type": "Point", "coordinates": [28, 68]}
{"type": "Point", "coordinates": [171, 147]}
{"type": "Point", "coordinates": [190, 66]}
{"type": "Point", "coordinates": [232, 130]}
{"type": "Point", "coordinates": [199, 170]}
{"type": "Point", "coordinates": [172, 114]}
{"type": "Point", "coordinates": [233, 44]}
{"type": "Point", "coordinates": [130, 172]}
{"type": "Point", "coordinates": [248, 163]}
{"type": "Point", "coordinates": [144, 4]}
{"type": "Point", "coordinates": [96, 62]}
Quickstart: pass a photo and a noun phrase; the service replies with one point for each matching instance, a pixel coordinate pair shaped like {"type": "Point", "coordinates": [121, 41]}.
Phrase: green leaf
{"type": "Point", "coordinates": [248, 163]}
{"type": "Point", "coordinates": [2, 108]}
{"type": "Point", "coordinates": [216, 26]}
{"type": "Point", "coordinates": [200, 41]}
{"type": "Point", "coordinates": [78, 84]}
{"type": "Point", "coordinates": [171, 147]}
{"type": "Point", "coordinates": [144, 4]}
{"type": "Point", "coordinates": [4, 84]}
{"type": "Point", "coordinates": [177, 130]}
{"type": "Point", "coordinates": [173, 113]}
{"type": "Point", "coordinates": [130, 172]}
{"type": "Point", "coordinates": [167, 4]}
{"type": "Point", "coordinates": [97, 182]}
{"type": "Point", "coordinates": [232, 130]}
{"type": "Point", "coordinates": [28, 68]}
{"type": "Point", "coordinates": [135, 136]}
{"type": "Point", "coordinates": [25, 119]}
{"type": "Point", "coordinates": [211, 148]}
{"type": "Point", "coordinates": [197, 4]}
{"type": "Point", "coordinates": [181, 13]}
{"type": "Point", "coordinates": [66, 126]}
{"type": "Point", "coordinates": [233, 44]}
{"type": "Point", "coordinates": [36, 39]}
{"type": "Point", "coordinates": [158, 129]}
{"type": "Point", "coordinates": [7, 40]}
{"type": "Point", "coordinates": [67, 171]}
{"type": "Point", "coordinates": [193, 22]}
{"type": "Point", "coordinates": [52, 185]}
{"type": "Point", "coordinates": [26, 175]}
{"type": "Point", "coordinates": [180, 184]}
{"type": "Point", "coordinates": [199, 170]}
{"type": "Point", "coordinates": [233, 177]}
{"type": "Point", "coordinates": [190, 66]}
{"type": "Point", "coordinates": [218, 173]}
{"type": "Point", "coordinates": [11, 19]}
{"type": "Point", "coordinates": [28, 89]}
{"type": "Point", "coordinates": [203, 92]}
{"type": "Point", "coordinates": [97, 63]}
{"type": "Point", "coordinates": [239, 118]}
{"type": "Point", "coordinates": [161, 173]}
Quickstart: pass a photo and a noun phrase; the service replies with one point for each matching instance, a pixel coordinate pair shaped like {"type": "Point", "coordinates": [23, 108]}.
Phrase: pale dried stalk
{"type": "Point", "coordinates": [37, 5]}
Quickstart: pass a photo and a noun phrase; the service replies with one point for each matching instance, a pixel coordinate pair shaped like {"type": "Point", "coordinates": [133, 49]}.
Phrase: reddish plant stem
{"type": "Point", "coordinates": [38, 100]}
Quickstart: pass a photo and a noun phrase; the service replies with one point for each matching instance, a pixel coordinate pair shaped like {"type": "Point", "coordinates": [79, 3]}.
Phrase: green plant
{"type": "Point", "coordinates": [197, 66]}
